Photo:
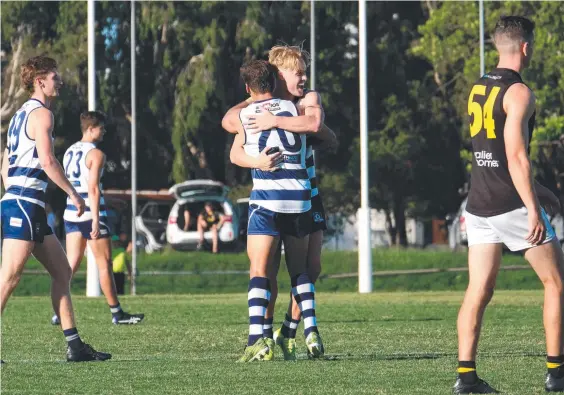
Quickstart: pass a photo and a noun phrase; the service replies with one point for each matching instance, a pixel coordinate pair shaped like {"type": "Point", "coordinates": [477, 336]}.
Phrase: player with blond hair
{"type": "Point", "coordinates": [291, 62]}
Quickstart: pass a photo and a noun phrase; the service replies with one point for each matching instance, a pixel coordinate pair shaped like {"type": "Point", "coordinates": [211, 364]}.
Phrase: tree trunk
{"type": "Point", "coordinates": [399, 217]}
{"type": "Point", "coordinates": [391, 227]}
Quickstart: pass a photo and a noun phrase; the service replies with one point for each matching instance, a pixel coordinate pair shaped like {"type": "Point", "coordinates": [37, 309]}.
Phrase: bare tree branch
{"type": "Point", "coordinates": [14, 91]}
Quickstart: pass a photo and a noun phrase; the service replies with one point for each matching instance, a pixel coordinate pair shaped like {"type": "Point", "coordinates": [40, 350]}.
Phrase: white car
{"type": "Point", "coordinates": [193, 195]}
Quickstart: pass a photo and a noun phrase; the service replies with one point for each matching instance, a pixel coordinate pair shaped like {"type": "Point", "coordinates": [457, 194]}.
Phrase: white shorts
{"type": "Point", "coordinates": [510, 228]}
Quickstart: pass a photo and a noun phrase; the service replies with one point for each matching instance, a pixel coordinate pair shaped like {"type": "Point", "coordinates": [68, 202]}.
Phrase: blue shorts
{"type": "Point", "coordinates": [265, 222]}
{"type": "Point", "coordinates": [24, 220]}
{"type": "Point", "coordinates": [85, 228]}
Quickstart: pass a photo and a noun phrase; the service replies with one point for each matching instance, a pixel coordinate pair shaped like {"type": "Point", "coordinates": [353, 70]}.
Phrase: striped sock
{"type": "Point", "coordinates": [72, 338]}
{"type": "Point", "coordinates": [467, 372]}
{"type": "Point", "coordinates": [259, 296]}
{"type": "Point", "coordinates": [304, 292]}
{"type": "Point", "coordinates": [555, 365]}
{"type": "Point", "coordinates": [116, 310]}
{"type": "Point", "coordinates": [267, 327]}
{"type": "Point", "coordinates": [293, 328]}
{"type": "Point", "coordinates": [285, 330]}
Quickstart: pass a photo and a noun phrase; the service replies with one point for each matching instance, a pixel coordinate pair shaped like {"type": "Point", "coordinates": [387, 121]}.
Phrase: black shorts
{"type": "Point", "coordinates": [318, 217]}
{"type": "Point", "coordinates": [295, 225]}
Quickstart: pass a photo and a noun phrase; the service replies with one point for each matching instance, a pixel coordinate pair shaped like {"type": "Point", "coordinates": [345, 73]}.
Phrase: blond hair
{"type": "Point", "coordinates": [290, 57]}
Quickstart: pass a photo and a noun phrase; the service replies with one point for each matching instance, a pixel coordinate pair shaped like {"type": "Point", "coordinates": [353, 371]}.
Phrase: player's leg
{"type": "Point", "coordinates": [272, 277]}
{"type": "Point", "coordinates": [548, 262]}
{"type": "Point", "coordinates": [215, 238]}
{"type": "Point", "coordinates": [51, 255]}
{"type": "Point", "coordinates": [75, 246]}
{"type": "Point", "coordinates": [17, 245]}
{"type": "Point", "coordinates": [484, 259]}
{"type": "Point", "coordinates": [318, 225]}
{"type": "Point", "coordinates": [15, 254]}
{"type": "Point", "coordinates": [303, 291]}
{"type": "Point", "coordinates": [313, 269]}
{"type": "Point", "coordinates": [102, 251]}
{"type": "Point", "coordinates": [286, 335]}
{"type": "Point", "coordinates": [262, 240]}
{"type": "Point", "coordinates": [259, 251]}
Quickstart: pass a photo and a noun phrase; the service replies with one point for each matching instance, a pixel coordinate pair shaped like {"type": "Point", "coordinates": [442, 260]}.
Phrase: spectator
{"type": "Point", "coordinates": [212, 220]}
{"type": "Point", "coordinates": [120, 264]}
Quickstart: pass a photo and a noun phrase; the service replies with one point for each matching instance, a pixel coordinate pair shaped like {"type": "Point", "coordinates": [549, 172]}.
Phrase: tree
{"type": "Point", "coordinates": [445, 38]}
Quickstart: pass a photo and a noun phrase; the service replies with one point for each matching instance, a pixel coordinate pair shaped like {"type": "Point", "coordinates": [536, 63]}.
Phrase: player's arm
{"type": "Point", "coordinates": [327, 139]}
{"type": "Point", "coordinates": [95, 161]}
{"type": "Point", "coordinates": [239, 157]}
{"type": "Point", "coordinates": [230, 121]}
{"type": "Point", "coordinates": [519, 105]}
{"type": "Point", "coordinates": [5, 166]}
{"type": "Point", "coordinates": [310, 122]}
{"type": "Point", "coordinates": [41, 126]}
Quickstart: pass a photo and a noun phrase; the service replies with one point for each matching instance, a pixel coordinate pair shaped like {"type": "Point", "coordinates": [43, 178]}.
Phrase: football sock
{"type": "Point", "coordinates": [258, 298]}
{"type": "Point", "coordinates": [72, 338]}
{"type": "Point", "coordinates": [293, 328]}
{"type": "Point", "coordinates": [467, 371]}
{"type": "Point", "coordinates": [304, 293]}
{"type": "Point", "coordinates": [267, 327]}
{"type": "Point", "coordinates": [555, 365]}
{"type": "Point", "coordinates": [285, 330]}
{"type": "Point", "coordinates": [116, 311]}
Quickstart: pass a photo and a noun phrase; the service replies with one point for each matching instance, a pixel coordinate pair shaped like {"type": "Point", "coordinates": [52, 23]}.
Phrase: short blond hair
{"type": "Point", "coordinates": [291, 57]}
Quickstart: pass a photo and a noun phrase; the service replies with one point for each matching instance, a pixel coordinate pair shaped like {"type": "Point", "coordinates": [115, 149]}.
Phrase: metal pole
{"type": "Point", "coordinates": [92, 275]}
{"type": "Point", "coordinates": [364, 229]}
{"type": "Point", "coordinates": [482, 60]}
{"type": "Point", "coordinates": [133, 158]}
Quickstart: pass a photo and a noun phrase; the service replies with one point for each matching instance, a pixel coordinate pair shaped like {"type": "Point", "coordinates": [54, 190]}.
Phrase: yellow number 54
{"type": "Point", "coordinates": [482, 119]}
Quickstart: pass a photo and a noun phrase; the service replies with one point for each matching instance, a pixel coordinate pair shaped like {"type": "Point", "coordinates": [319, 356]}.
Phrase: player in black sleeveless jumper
{"type": "Point", "coordinates": [503, 204]}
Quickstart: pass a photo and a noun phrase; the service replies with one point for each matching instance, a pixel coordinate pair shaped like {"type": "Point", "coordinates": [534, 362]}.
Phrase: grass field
{"type": "Point", "coordinates": [382, 343]}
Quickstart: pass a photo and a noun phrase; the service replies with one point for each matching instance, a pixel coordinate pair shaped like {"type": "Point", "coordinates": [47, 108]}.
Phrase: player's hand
{"type": "Point", "coordinates": [264, 120]}
{"type": "Point", "coordinates": [266, 162]}
{"type": "Point", "coordinates": [95, 233]}
{"type": "Point", "coordinates": [537, 229]}
{"type": "Point", "coordinates": [78, 202]}
{"type": "Point", "coordinates": [548, 201]}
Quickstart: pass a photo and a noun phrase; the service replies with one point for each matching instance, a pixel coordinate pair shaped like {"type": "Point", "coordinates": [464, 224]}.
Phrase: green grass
{"type": "Point", "coordinates": [332, 262]}
{"type": "Point", "coordinates": [383, 343]}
